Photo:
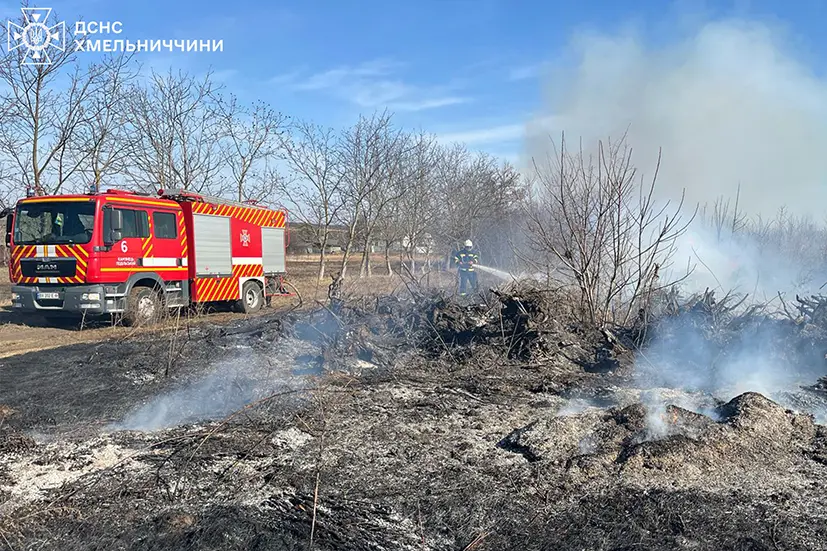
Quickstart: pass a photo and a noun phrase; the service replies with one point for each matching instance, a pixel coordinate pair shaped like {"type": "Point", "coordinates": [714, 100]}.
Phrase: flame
{"type": "Point", "coordinates": [670, 418]}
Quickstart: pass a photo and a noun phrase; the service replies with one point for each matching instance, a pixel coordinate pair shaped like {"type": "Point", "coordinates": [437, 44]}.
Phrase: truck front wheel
{"type": "Point", "coordinates": [251, 298]}
{"type": "Point", "coordinates": [143, 307]}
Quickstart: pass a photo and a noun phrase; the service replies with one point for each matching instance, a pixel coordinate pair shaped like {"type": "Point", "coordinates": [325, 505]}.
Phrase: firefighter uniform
{"type": "Point", "coordinates": [466, 258]}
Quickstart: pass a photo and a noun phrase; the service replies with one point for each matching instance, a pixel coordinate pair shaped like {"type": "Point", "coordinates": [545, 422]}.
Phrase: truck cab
{"type": "Point", "coordinates": [83, 254]}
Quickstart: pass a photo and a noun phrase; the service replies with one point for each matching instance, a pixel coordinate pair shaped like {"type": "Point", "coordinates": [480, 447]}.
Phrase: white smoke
{"type": "Point", "coordinates": [735, 108]}
{"type": "Point", "coordinates": [230, 385]}
{"type": "Point", "coordinates": [730, 104]}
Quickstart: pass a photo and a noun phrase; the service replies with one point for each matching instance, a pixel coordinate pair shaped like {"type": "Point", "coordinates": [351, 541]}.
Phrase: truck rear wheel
{"type": "Point", "coordinates": [143, 307]}
{"type": "Point", "coordinates": [251, 298]}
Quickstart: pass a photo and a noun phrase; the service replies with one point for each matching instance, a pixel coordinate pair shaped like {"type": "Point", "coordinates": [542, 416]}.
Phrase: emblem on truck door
{"type": "Point", "coordinates": [245, 238]}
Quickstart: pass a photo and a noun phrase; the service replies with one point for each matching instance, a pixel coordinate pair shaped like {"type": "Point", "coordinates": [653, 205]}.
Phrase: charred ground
{"type": "Point", "coordinates": [409, 423]}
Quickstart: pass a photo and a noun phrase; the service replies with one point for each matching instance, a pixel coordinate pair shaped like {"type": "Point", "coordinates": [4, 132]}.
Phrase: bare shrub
{"type": "Point", "coordinates": [772, 254]}
{"type": "Point", "coordinates": [593, 224]}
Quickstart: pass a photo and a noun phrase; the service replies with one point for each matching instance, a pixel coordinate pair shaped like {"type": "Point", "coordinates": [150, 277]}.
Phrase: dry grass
{"type": "Point", "coordinates": [20, 336]}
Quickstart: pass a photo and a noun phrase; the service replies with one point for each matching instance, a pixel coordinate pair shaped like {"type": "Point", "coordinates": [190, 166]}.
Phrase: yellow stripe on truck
{"type": "Point", "coordinates": [151, 269]}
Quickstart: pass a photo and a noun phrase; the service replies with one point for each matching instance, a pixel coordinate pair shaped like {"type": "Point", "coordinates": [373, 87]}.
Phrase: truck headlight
{"type": "Point", "coordinates": [15, 296]}
{"type": "Point", "coordinates": [90, 296]}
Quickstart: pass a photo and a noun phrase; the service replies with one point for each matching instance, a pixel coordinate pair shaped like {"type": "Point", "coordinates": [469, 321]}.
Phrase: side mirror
{"type": "Point", "coordinates": [9, 225]}
{"type": "Point", "coordinates": [112, 226]}
{"type": "Point", "coordinates": [117, 221]}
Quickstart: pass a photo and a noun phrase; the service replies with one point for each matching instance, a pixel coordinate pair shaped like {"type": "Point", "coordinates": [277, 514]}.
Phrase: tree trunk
{"type": "Point", "coordinates": [322, 256]}
{"type": "Point", "coordinates": [346, 256]}
{"type": "Point", "coordinates": [38, 190]}
{"type": "Point", "coordinates": [388, 258]}
{"type": "Point", "coordinates": [364, 269]}
{"type": "Point", "coordinates": [348, 248]}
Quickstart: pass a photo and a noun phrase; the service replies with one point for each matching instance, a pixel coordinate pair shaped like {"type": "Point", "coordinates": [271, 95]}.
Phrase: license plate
{"type": "Point", "coordinates": [48, 296]}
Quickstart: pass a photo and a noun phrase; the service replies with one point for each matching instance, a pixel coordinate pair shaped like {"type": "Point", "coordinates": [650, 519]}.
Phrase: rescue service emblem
{"type": "Point", "coordinates": [245, 238]}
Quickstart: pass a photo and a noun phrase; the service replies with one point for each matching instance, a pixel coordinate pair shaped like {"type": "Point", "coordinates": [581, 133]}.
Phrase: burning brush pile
{"type": "Point", "coordinates": [424, 423]}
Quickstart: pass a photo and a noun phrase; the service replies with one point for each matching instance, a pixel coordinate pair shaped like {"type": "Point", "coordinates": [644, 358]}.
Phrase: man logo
{"type": "Point", "coordinates": [35, 36]}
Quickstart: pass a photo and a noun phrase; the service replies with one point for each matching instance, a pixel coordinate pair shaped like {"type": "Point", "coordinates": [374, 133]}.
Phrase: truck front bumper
{"type": "Point", "coordinates": [48, 299]}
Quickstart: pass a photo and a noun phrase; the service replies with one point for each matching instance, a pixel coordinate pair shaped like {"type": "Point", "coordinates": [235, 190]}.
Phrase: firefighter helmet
{"type": "Point", "coordinates": [468, 243]}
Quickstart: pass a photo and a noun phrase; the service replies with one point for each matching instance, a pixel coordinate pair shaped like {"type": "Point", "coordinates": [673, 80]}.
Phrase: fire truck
{"type": "Point", "coordinates": [134, 255]}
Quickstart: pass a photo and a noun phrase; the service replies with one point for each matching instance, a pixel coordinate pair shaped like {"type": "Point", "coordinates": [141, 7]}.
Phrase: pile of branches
{"type": "Point", "coordinates": [516, 321]}
{"type": "Point", "coordinates": [700, 313]}
{"type": "Point", "coordinates": [703, 335]}
{"type": "Point", "coordinates": [810, 310]}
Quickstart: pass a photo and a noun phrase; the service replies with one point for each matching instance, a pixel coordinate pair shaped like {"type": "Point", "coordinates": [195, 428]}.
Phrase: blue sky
{"type": "Point", "coordinates": [467, 69]}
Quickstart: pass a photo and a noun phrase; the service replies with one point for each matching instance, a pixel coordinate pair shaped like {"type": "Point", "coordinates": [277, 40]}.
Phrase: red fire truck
{"type": "Point", "coordinates": [132, 255]}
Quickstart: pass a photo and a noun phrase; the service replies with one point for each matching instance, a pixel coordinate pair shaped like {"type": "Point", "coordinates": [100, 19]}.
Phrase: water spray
{"type": "Point", "coordinates": [508, 275]}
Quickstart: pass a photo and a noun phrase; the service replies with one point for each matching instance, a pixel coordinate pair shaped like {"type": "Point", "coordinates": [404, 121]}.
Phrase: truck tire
{"type": "Point", "coordinates": [251, 298]}
{"type": "Point", "coordinates": [143, 307]}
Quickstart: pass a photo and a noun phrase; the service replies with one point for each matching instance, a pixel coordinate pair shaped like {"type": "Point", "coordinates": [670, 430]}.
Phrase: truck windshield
{"type": "Point", "coordinates": [54, 222]}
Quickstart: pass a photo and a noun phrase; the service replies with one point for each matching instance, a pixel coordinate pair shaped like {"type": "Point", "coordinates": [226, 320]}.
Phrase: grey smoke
{"type": "Point", "coordinates": [732, 102]}
{"type": "Point", "coordinates": [231, 385]}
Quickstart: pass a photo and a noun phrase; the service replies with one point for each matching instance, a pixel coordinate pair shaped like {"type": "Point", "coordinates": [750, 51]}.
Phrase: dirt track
{"type": "Point", "coordinates": [21, 334]}
{"type": "Point", "coordinates": [432, 429]}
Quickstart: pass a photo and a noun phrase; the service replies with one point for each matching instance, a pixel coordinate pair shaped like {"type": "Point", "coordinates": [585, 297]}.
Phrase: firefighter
{"type": "Point", "coordinates": [465, 259]}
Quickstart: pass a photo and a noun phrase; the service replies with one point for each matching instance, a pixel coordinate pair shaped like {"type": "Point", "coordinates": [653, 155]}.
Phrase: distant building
{"type": "Point", "coordinates": [426, 246]}
{"type": "Point", "coordinates": [304, 239]}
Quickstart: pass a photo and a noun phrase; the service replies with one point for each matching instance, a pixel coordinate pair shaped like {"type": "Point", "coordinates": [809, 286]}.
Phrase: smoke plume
{"type": "Point", "coordinates": [736, 108]}
{"type": "Point", "coordinates": [732, 103]}
{"type": "Point", "coordinates": [230, 385]}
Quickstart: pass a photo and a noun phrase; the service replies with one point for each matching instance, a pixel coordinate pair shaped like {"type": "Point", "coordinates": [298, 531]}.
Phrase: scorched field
{"type": "Point", "coordinates": [413, 420]}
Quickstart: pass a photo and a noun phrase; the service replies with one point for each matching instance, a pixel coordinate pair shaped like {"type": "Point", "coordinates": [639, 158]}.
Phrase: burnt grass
{"type": "Point", "coordinates": [397, 423]}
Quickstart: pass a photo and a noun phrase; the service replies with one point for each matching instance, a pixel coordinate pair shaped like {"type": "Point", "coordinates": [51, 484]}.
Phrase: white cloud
{"type": "Point", "coordinates": [348, 75]}
{"type": "Point", "coordinates": [499, 134]}
{"type": "Point", "coordinates": [223, 75]}
{"type": "Point", "coordinates": [374, 84]}
{"type": "Point", "coordinates": [491, 135]}
{"type": "Point", "coordinates": [286, 78]}
{"type": "Point", "coordinates": [526, 72]}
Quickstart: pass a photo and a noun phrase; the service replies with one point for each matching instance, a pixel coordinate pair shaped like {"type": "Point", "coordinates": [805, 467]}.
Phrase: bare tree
{"type": "Point", "coordinates": [102, 144]}
{"type": "Point", "coordinates": [44, 106]}
{"type": "Point", "coordinates": [383, 198]}
{"type": "Point", "coordinates": [725, 219]}
{"type": "Point", "coordinates": [315, 189]}
{"type": "Point", "coordinates": [251, 141]}
{"type": "Point", "coordinates": [417, 209]}
{"type": "Point", "coordinates": [178, 135]}
{"type": "Point", "coordinates": [603, 228]}
{"type": "Point", "coordinates": [369, 159]}
{"type": "Point", "coordinates": [477, 198]}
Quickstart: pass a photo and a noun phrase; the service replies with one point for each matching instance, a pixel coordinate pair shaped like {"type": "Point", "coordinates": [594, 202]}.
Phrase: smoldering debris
{"type": "Point", "coordinates": [726, 347]}
{"type": "Point", "coordinates": [442, 425]}
{"type": "Point", "coordinates": [234, 383]}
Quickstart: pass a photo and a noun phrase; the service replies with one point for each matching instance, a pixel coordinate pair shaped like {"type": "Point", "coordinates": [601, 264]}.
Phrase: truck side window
{"type": "Point", "coordinates": [165, 225]}
{"type": "Point", "coordinates": [135, 223]}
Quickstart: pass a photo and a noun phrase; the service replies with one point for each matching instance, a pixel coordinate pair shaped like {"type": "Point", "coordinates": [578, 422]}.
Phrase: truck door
{"type": "Point", "coordinates": [123, 257]}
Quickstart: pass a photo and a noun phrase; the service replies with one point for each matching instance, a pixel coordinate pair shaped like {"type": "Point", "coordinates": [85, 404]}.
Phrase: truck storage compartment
{"type": "Point", "coordinates": [212, 245]}
{"type": "Point", "coordinates": [272, 249]}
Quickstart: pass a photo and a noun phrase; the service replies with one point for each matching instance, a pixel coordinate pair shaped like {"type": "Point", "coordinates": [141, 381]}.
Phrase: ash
{"type": "Point", "coordinates": [420, 422]}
